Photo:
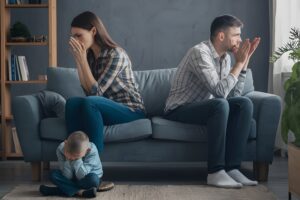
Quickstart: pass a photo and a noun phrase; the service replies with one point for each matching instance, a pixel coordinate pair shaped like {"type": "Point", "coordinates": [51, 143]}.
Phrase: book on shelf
{"type": "Point", "coordinates": [17, 68]}
{"type": "Point", "coordinates": [14, 2]}
{"type": "Point", "coordinates": [9, 67]}
{"type": "Point", "coordinates": [18, 75]}
{"type": "Point", "coordinates": [22, 65]}
{"type": "Point", "coordinates": [12, 68]}
{"type": "Point", "coordinates": [16, 141]}
{"type": "Point", "coordinates": [11, 1]}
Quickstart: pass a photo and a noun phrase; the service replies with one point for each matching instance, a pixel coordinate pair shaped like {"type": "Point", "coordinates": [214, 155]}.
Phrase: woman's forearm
{"type": "Point", "coordinates": [81, 77]}
{"type": "Point", "coordinates": [87, 77]}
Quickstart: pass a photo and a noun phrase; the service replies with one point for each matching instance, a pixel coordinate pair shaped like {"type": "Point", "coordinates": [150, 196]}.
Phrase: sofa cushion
{"type": "Point", "coordinates": [53, 104]}
{"type": "Point", "coordinates": [249, 87]}
{"type": "Point", "coordinates": [55, 129]}
{"type": "Point", "coordinates": [154, 86]}
{"type": "Point", "coordinates": [171, 130]}
{"type": "Point", "coordinates": [131, 131]}
{"type": "Point", "coordinates": [64, 81]}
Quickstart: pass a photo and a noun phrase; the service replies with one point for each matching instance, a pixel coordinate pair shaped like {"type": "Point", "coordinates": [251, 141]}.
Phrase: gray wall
{"type": "Point", "coordinates": [157, 33]}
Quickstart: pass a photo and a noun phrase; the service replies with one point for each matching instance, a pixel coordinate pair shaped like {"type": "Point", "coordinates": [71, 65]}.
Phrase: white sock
{"type": "Point", "coordinates": [239, 177]}
{"type": "Point", "coordinates": [221, 179]}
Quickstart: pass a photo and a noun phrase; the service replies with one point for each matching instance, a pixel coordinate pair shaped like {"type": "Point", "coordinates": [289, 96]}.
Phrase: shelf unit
{"type": "Point", "coordinates": [6, 44]}
{"type": "Point", "coordinates": [1, 150]}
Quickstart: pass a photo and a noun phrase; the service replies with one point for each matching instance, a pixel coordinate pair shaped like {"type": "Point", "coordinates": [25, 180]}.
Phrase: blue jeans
{"type": "Point", "coordinates": [228, 124]}
{"type": "Point", "coordinates": [90, 114]}
{"type": "Point", "coordinates": [71, 187]}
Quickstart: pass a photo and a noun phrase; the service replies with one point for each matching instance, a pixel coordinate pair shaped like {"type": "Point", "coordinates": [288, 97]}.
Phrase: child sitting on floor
{"type": "Point", "coordinates": [80, 168]}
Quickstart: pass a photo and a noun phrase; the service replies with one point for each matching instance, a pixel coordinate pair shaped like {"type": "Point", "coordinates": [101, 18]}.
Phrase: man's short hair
{"type": "Point", "coordinates": [223, 22]}
{"type": "Point", "coordinates": [76, 142]}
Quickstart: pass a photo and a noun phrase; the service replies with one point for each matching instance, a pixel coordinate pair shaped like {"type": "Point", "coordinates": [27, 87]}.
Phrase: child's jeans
{"type": "Point", "coordinates": [71, 186]}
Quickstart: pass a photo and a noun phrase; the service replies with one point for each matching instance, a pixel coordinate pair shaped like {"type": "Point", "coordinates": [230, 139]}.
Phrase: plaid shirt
{"type": "Point", "coordinates": [203, 74]}
{"type": "Point", "coordinates": [115, 80]}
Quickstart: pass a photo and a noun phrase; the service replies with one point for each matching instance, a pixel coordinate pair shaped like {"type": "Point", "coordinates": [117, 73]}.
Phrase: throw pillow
{"type": "Point", "coordinates": [53, 104]}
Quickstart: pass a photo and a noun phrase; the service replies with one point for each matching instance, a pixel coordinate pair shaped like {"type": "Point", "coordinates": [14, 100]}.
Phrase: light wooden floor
{"type": "Point", "coordinates": [13, 173]}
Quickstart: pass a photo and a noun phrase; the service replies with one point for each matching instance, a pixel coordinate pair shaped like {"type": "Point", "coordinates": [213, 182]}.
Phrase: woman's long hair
{"type": "Point", "coordinates": [87, 20]}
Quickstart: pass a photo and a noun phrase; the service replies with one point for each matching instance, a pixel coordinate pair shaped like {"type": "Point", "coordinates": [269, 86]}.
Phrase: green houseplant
{"type": "Point", "coordinates": [291, 114]}
{"type": "Point", "coordinates": [19, 31]}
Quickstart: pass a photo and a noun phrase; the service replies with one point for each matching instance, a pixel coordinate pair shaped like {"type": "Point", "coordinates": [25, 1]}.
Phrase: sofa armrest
{"type": "Point", "coordinates": [267, 110]}
{"type": "Point", "coordinates": [27, 113]}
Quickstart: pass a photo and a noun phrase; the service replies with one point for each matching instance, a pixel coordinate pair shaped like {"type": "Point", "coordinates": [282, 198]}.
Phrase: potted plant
{"type": "Point", "coordinates": [19, 33]}
{"type": "Point", "coordinates": [290, 121]}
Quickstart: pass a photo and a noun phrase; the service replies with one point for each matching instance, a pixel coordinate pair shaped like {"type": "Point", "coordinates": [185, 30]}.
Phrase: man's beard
{"type": "Point", "coordinates": [233, 49]}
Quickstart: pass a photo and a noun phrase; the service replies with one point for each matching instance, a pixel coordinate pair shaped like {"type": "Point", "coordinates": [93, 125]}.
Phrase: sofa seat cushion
{"type": "Point", "coordinates": [55, 129]}
{"type": "Point", "coordinates": [171, 130]}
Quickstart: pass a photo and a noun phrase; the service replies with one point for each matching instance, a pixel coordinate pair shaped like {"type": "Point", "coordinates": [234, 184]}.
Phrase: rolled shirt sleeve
{"type": "Point", "coordinates": [239, 87]}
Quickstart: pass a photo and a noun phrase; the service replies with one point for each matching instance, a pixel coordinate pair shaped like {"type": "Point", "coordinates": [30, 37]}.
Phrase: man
{"type": "Point", "coordinates": [206, 90]}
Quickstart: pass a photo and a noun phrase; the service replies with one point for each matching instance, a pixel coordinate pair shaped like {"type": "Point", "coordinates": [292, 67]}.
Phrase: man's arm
{"type": "Point", "coordinates": [253, 45]}
{"type": "Point", "coordinates": [64, 165]}
{"type": "Point", "coordinates": [241, 58]}
{"type": "Point", "coordinates": [203, 66]}
{"type": "Point", "coordinates": [239, 87]}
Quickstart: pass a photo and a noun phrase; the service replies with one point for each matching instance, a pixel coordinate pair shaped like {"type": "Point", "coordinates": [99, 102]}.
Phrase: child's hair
{"type": "Point", "coordinates": [76, 142]}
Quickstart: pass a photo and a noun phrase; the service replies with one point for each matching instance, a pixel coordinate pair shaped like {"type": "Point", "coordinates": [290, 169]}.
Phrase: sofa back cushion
{"type": "Point", "coordinates": [55, 129]}
{"type": "Point", "coordinates": [154, 86]}
{"type": "Point", "coordinates": [64, 81]}
{"type": "Point", "coordinates": [249, 87]}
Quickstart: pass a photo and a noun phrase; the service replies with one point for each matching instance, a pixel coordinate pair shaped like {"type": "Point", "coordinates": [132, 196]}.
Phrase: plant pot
{"type": "Point", "coordinates": [18, 39]}
{"type": "Point", "coordinates": [34, 1]}
{"type": "Point", "coordinates": [293, 169]}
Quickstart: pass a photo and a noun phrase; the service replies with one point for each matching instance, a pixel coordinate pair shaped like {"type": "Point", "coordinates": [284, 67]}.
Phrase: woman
{"type": "Point", "coordinates": [105, 74]}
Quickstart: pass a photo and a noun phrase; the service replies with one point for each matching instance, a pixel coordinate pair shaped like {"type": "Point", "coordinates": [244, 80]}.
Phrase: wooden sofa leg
{"type": "Point", "coordinates": [36, 171]}
{"type": "Point", "coordinates": [46, 165]}
{"type": "Point", "coordinates": [261, 171]}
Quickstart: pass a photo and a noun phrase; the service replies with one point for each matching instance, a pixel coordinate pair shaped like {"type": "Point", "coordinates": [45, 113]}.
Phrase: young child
{"type": "Point", "coordinates": [79, 171]}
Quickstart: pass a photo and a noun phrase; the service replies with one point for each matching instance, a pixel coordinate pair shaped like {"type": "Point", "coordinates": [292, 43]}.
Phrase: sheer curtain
{"type": "Point", "coordinates": [284, 15]}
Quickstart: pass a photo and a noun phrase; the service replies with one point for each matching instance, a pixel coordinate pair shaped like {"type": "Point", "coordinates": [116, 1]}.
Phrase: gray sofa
{"type": "Point", "coordinates": [41, 127]}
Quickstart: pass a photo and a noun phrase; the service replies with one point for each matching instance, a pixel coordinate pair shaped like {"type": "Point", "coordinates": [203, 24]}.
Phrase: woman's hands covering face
{"type": "Point", "coordinates": [78, 50]}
